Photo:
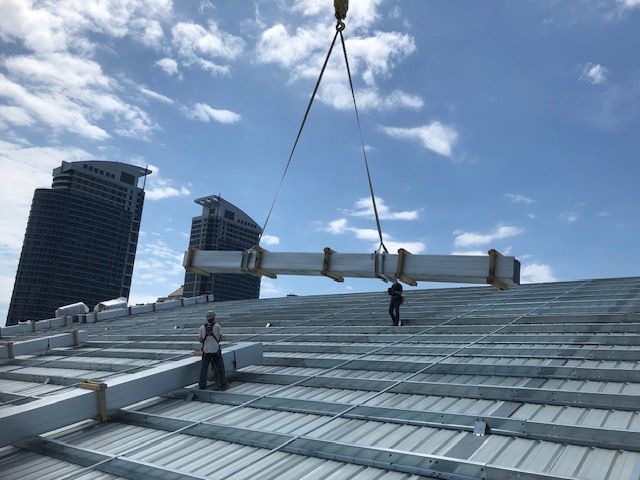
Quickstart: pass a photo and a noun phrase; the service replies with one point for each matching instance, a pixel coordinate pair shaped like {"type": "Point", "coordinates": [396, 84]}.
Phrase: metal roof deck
{"type": "Point", "coordinates": [547, 374]}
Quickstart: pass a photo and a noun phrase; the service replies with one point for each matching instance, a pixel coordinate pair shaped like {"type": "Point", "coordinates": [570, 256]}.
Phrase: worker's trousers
{"type": "Point", "coordinates": [394, 310]}
{"type": "Point", "coordinates": [215, 359]}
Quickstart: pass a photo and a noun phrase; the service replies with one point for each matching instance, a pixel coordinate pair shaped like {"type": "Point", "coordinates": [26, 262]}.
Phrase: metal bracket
{"type": "Point", "coordinates": [402, 253]}
{"type": "Point", "coordinates": [257, 264]}
{"type": "Point", "coordinates": [325, 266]}
{"type": "Point", "coordinates": [378, 267]}
{"type": "Point", "coordinates": [480, 428]}
{"type": "Point", "coordinates": [189, 263]}
{"type": "Point", "coordinates": [9, 345]}
{"type": "Point", "coordinates": [76, 337]}
{"type": "Point", "coordinates": [101, 391]}
{"type": "Point", "coordinates": [491, 278]}
{"type": "Point", "coordinates": [33, 325]}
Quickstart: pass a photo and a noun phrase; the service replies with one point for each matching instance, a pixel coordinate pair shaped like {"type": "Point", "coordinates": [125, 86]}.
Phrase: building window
{"type": "Point", "coordinates": [127, 178]}
{"type": "Point", "coordinates": [229, 215]}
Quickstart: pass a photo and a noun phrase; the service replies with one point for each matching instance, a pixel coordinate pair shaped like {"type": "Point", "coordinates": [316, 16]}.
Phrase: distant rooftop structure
{"type": "Point", "coordinates": [538, 382]}
{"type": "Point", "coordinates": [81, 239]}
{"type": "Point", "coordinates": [222, 226]}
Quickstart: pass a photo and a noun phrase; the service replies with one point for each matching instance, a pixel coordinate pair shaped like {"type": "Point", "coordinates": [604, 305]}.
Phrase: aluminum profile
{"type": "Point", "coordinates": [548, 370]}
{"type": "Point", "coordinates": [431, 268]}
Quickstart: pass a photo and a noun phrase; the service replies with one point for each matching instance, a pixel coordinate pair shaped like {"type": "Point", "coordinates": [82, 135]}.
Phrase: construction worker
{"type": "Point", "coordinates": [396, 300]}
{"type": "Point", "coordinates": [210, 336]}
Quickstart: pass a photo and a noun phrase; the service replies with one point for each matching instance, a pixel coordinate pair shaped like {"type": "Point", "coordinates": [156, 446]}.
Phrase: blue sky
{"type": "Point", "coordinates": [507, 125]}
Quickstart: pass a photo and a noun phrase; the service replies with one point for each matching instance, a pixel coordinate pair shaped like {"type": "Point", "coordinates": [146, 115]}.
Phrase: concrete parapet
{"type": "Point", "coordinates": [136, 309]}
{"type": "Point", "coordinates": [15, 330]}
{"type": "Point", "coordinates": [35, 345]}
{"type": "Point", "coordinates": [109, 314]}
{"type": "Point", "coordinates": [167, 305]}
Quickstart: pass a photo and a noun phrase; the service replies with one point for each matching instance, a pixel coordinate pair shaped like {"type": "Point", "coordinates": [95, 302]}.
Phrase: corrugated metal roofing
{"type": "Point", "coordinates": [547, 374]}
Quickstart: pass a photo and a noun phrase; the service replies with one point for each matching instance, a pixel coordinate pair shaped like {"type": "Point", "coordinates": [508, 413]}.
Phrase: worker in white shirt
{"type": "Point", "coordinates": [210, 336]}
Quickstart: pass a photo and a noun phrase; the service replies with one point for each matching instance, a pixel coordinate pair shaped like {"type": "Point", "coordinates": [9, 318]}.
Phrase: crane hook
{"type": "Point", "coordinates": [341, 7]}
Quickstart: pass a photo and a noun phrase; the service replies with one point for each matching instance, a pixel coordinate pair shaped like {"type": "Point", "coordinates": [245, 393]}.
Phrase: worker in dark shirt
{"type": "Point", "coordinates": [396, 300]}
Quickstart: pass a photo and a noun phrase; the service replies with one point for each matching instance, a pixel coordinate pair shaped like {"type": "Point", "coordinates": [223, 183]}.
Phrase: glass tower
{"type": "Point", "coordinates": [81, 239]}
{"type": "Point", "coordinates": [222, 226]}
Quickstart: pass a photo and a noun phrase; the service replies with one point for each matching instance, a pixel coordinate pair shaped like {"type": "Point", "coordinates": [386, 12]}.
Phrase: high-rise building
{"type": "Point", "coordinates": [81, 239]}
{"type": "Point", "coordinates": [222, 226]}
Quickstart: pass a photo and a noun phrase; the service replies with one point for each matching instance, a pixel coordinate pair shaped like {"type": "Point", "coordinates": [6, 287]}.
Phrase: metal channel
{"type": "Point", "coordinates": [92, 460]}
{"type": "Point", "coordinates": [387, 459]}
{"type": "Point", "coordinates": [574, 434]}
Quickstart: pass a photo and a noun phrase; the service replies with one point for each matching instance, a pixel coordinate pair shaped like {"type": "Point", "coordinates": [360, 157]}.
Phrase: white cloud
{"type": "Point", "coordinates": [137, 298]}
{"type": "Point", "coordinates": [157, 187]}
{"type": "Point", "coordinates": [70, 94]}
{"type": "Point", "coordinates": [518, 198]}
{"type": "Point", "coordinates": [168, 66]}
{"type": "Point", "coordinates": [155, 95]}
{"type": "Point", "coordinates": [55, 83]}
{"type": "Point", "coordinates": [206, 113]}
{"type": "Point", "coordinates": [65, 24]}
{"type": "Point", "coordinates": [413, 247]}
{"type": "Point", "coordinates": [373, 55]}
{"type": "Point", "coordinates": [434, 136]}
{"type": "Point", "coordinates": [15, 115]}
{"type": "Point", "coordinates": [158, 267]}
{"type": "Point", "coordinates": [196, 45]}
{"type": "Point", "coordinates": [268, 289]}
{"type": "Point", "coordinates": [593, 73]}
{"type": "Point", "coordinates": [469, 252]}
{"type": "Point", "coordinates": [341, 226]}
{"type": "Point", "coordinates": [629, 3]}
{"type": "Point", "coordinates": [160, 191]}
{"type": "Point", "coordinates": [569, 217]}
{"type": "Point", "coordinates": [537, 273]}
{"type": "Point", "coordinates": [150, 32]}
{"type": "Point", "coordinates": [270, 240]}
{"type": "Point", "coordinates": [364, 208]}
{"type": "Point", "coordinates": [8, 267]}
{"type": "Point", "coordinates": [471, 239]}
{"type": "Point", "coordinates": [531, 215]}
{"type": "Point", "coordinates": [338, 226]}
{"type": "Point", "coordinates": [52, 109]}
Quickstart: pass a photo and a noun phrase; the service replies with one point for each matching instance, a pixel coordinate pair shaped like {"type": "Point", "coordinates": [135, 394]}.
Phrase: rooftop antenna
{"type": "Point", "coordinates": [144, 180]}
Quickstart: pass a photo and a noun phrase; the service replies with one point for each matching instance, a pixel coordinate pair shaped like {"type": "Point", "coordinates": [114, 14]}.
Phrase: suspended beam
{"type": "Point", "coordinates": [494, 269]}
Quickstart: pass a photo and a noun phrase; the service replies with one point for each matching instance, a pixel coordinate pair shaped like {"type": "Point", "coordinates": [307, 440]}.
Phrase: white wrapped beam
{"type": "Point", "coordinates": [73, 309]}
{"type": "Point", "coordinates": [19, 422]}
{"type": "Point", "coordinates": [120, 302]}
{"type": "Point", "coordinates": [430, 268]}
